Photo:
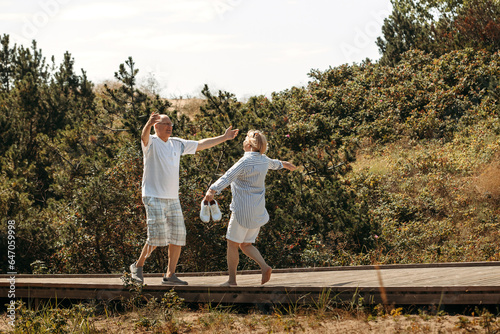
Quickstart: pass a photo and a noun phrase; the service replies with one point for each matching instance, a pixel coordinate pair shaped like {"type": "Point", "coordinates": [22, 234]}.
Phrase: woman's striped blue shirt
{"type": "Point", "coordinates": [247, 179]}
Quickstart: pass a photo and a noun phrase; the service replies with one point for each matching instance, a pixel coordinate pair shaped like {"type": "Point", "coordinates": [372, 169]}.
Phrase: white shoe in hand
{"type": "Point", "coordinates": [215, 211]}
{"type": "Point", "coordinates": [205, 212]}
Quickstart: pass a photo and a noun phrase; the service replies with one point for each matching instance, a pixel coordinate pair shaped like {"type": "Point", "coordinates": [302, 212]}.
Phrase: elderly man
{"type": "Point", "coordinates": [160, 191]}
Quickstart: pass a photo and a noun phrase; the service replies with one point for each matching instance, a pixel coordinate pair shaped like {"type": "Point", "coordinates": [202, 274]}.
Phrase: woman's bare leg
{"type": "Point", "coordinates": [233, 257]}
{"type": "Point", "coordinates": [255, 255]}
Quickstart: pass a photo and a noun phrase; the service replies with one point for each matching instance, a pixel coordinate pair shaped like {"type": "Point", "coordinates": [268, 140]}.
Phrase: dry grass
{"type": "Point", "coordinates": [189, 107]}
{"type": "Point", "coordinates": [374, 164]}
{"type": "Point", "coordinates": [215, 323]}
{"type": "Point", "coordinates": [488, 182]}
{"type": "Point", "coordinates": [186, 106]}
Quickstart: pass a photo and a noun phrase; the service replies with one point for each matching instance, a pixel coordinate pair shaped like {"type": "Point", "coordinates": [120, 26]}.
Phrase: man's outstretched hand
{"type": "Point", "coordinates": [230, 134]}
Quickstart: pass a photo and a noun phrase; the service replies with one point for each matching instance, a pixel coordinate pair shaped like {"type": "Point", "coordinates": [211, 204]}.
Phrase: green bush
{"type": "Point", "coordinates": [390, 162]}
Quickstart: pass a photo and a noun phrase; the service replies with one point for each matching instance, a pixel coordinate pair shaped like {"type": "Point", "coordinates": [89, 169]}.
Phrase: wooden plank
{"type": "Point", "coordinates": [474, 283]}
{"type": "Point", "coordinates": [422, 266]}
{"type": "Point", "coordinates": [249, 295]}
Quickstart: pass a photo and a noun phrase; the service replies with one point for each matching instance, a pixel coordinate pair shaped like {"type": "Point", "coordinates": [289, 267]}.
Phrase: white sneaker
{"type": "Point", "coordinates": [204, 212]}
{"type": "Point", "coordinates": [215, 211]}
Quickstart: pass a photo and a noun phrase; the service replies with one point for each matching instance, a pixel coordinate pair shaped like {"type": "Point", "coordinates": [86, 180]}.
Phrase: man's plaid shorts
{"type": "Point", "coordinates": [165, 222]}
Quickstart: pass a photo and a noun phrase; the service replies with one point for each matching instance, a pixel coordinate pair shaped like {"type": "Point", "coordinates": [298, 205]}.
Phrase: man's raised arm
{"type": "Point", "coordinates": [146, 131]}
{"type": "Point", "coordinates": [230, 134]}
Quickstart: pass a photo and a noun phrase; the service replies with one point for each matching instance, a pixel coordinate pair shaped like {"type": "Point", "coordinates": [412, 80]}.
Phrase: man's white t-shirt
{"type": "Point", "coordinates": [161, 165]}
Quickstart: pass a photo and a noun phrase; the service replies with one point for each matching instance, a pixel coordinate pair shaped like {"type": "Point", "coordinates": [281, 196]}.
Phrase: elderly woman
{"type": "Point", "coordinates": [247, 180]}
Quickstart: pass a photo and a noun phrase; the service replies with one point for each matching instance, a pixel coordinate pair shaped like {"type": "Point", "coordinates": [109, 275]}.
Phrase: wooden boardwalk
{"type": "Point", "coordinates": [475, 283]}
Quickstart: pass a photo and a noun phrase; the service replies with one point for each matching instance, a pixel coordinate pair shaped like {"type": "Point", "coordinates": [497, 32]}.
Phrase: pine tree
{"type": "Point", "coordinates": [46, 113]}
{"type": "Point", "coordinates": [412, 26]}
{"type": "Point", "coordinates": [6, 64]}
{"type": "Point", "coordinates": [130, 105]}
{"type": "Point", "coordinates": [400, 35]}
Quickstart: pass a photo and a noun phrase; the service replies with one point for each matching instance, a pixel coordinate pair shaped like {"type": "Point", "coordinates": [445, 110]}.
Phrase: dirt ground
{"type": "Point", "coordinates": [223, 322]}
{"type": "Point", "coordinates": [199, 323]}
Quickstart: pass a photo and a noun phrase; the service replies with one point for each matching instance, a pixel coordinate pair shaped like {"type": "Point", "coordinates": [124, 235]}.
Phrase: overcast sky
{"type": "Point", "coordinates": [246, 47]}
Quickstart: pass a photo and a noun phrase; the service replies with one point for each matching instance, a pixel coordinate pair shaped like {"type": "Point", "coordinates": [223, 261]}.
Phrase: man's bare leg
{"type": "Point", "coordinates": [146, 252]}
{"type": "Point", "coordinates": [136, 268]}
{"type": "Point", "coordinates": [174, 253]}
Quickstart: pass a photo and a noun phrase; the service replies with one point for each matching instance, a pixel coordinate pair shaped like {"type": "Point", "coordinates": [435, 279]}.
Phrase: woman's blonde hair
{"type": "Point", "coordinates": [257, 140]}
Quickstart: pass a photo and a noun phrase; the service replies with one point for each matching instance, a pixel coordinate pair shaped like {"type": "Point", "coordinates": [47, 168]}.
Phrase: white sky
{"type": "Point", "coordinates": [246, 47]}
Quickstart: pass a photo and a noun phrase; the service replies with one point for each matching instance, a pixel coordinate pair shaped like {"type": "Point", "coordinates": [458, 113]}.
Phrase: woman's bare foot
{"type": "Point", "coordinates": [266, 275]}
{"type": "Point", "coordinates": [228, 284]}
